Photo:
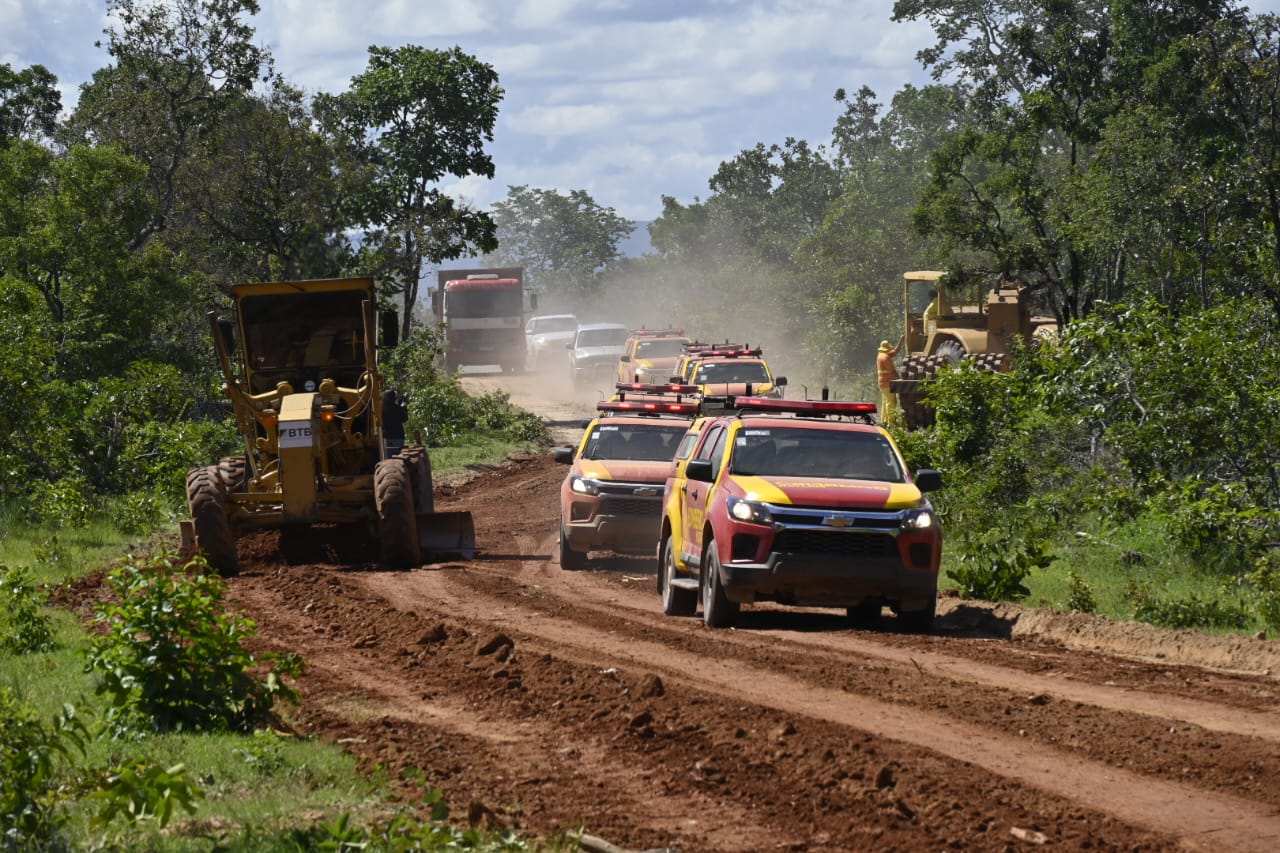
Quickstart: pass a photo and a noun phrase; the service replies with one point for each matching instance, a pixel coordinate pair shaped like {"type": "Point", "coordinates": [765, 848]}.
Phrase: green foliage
{"type": "Point", "coordinates": [407, 831]}
{"type": "Point", "coordinates": [564, 242]}
{"type": "Point", "coordinates": [1189, 612]}
{"type": "Point", "coordinates": [31, 758]}
{"type": "Point", "coordinates": [1080, 596]}
{"type": "Point", "coordinates": [173, 658]}
{"type": "Point", "coordinates": [1265, 582]}
{"type": "Point", "coordinates": [139, 792]}
{"type": "Point", "coordinates": [438, 407]}
{"type": "Point", "coordinates": [994, 565]}
{"type": "Point", "coordinates": [24, 627]}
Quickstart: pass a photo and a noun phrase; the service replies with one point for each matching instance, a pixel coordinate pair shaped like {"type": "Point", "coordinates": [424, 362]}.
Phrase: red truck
{"type": "Point", "coordinates": [482, 311]}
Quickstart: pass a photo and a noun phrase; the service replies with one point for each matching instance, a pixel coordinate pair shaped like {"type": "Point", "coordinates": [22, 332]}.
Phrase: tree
{"type": "Point", "coordinates": [29, 103]}
{"type": "Point", "coordinates": [412, 117]}
{"type": "Point", "coordinates": [180, 64]}
{"type": "Point", "coordinates": [564, 242]}
{"type": "Point", "coordinates": [267, 196]}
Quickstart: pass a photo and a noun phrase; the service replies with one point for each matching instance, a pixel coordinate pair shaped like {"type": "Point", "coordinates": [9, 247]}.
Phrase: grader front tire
{"type": "Point", "coordinates": [207, 502]}
{"type": "Point", "coordinates": [397, 523]}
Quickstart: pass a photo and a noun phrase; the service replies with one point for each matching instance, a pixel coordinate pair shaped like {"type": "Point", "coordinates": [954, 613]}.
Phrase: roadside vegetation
{"type": "Point", "coordinates": [1121, 158]}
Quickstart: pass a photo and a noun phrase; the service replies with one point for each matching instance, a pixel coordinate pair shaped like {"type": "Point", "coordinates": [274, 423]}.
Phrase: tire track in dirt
{"type": "Point", "coordinates": [1199, 817]}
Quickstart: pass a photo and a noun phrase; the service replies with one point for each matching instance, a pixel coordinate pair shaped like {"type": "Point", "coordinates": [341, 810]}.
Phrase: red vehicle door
{"type": "Point", "coordinates": [697, 492]}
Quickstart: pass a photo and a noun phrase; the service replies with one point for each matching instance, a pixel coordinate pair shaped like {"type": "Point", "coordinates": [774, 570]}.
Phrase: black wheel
{"type": "Point", "coordinates": [397, 524]}
{"type": "Point", "coordinates": [417, 463]}
{"type": "Point", "coordinates": [676, 601]}
{"type": "Point", "coordinates": [918, 621]}
{"type": "Point", "coordinates": [233, 471]}
{"type": "Point", "coordinates": [570, 560]}
{"type": "Point", "coordinates": [865, 614]}
{"type": "Point", "coordinates": [207, 502]}
{"type": "Point", "coordinates": [717, 610]}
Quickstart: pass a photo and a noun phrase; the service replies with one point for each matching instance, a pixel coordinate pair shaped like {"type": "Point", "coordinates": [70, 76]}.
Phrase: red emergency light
{"type": "Point", "coordinates": [647, 407]}
{"type": "Point", "coordinates": [647, 388]}
{"type": "Point", "coordinates": [802, 407]}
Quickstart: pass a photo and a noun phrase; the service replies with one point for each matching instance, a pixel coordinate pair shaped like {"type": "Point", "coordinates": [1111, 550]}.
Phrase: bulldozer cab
{"type": "Point", "coordinates": [959, 311]}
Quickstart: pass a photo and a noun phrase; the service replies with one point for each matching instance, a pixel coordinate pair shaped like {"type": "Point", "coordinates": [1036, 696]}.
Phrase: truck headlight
{"type": "Point", "coordinates": [918, 519]}
{"type": "Point", "coordinates": [751, 511]}
{"type": "Point", "coordinates": [583, 486]}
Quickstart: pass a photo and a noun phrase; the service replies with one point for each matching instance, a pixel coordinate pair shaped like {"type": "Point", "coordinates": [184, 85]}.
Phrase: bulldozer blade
{"type": "Point", "coordinates": [447, 533]}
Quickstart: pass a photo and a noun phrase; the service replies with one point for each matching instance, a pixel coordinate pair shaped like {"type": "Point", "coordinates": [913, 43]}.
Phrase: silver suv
{"type": "Point", "coordinates": [545, 337]}
{"type": "Point", "coordinates": [594, 351]}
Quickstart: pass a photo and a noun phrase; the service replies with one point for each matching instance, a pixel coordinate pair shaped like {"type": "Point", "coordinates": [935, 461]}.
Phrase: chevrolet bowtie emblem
{"type": "Point", "coordinates": [645, 493]}
{"type": "Point", "coordinates": [838, 521]}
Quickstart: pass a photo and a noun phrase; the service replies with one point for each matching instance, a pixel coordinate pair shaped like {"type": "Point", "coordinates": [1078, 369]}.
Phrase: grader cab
{"type": "Point", "coordinates": [323, 434]}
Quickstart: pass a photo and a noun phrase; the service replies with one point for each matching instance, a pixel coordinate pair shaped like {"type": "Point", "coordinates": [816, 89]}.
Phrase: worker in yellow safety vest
{"type": "Point", "coordinates": [886, 372]}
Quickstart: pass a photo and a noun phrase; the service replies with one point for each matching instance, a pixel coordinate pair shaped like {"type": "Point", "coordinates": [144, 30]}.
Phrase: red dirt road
{"type": "Point", "coordinates": [550, 701]}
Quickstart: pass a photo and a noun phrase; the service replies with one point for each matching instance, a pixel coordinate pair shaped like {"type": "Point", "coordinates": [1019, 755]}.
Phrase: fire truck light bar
{"type": "Point", "coordinates": [647, 407]}
{"type": "Point", "coordinates": [803, 407]}
{"type": "Point", "coordinates": [656, 332]}
{"type": "Point", "coordinates": [646, 388]}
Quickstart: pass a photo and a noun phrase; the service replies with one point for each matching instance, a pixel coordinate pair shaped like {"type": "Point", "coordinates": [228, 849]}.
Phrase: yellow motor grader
{"type": "Point", "coordinates": [324, 437]}
{"type": "Point", "coordinates": [947, 320]}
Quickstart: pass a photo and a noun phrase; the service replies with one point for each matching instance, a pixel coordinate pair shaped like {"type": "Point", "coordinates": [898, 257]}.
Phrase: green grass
{"type": "Point", "coordinates": [1123, 567]}
{"type": "Point", "coordinates": [259, 789]}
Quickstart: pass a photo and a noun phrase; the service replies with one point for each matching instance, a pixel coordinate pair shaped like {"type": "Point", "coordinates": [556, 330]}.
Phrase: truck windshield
{"type": "Point", "coordinates": [825, 453]}
{"type": "Point", "coordinates": [660, 349]}
{"type": "Point", "coordinates": [731, 371]}
{"type": "Point", "coordinates": [553, 324]}
{"type": "Point", "coordinates": [472, 304]}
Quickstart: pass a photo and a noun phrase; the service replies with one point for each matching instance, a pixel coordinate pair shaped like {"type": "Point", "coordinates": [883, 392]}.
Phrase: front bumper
{"type": "Point", "coordinates": [802, 558]}
{"type": "Point", "coordinates": [627, 524]}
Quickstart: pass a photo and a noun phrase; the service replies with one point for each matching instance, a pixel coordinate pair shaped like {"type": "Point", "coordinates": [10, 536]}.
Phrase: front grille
{"type": "Point", "coordinates": [843, 543]}
{"type": "Point", "coordinates": [619, 505]}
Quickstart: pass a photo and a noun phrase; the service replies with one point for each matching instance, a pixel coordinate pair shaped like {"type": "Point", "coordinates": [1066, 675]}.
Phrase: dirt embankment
{"type": "Point", "coordinates": [551, 700]}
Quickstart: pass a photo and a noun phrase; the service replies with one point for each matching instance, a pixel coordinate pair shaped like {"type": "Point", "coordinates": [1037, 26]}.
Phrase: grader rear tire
{"type": "Point", "coordinates": [207, 502]}
{"type": "Point", "coordinates": [397, 524]}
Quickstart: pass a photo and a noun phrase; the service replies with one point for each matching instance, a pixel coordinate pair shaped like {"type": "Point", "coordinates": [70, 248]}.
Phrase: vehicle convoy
{"type": "Point", "coordinates": [946, 322]}
{"type": "Point", "coordinates": [482, 311]}
{"type": "Point", "coordinates": [649, 355]}
{"type": "Point", "coordinates": [611, 498]}
{"type": "Point", "coordinates": [728, 369]}
{"type": "Point", "coordinates": [323, 434]}
{"type": "Point", "coordinates": [545, 337]}
{"type": "Point", "coordinates": [800, 502]}
{"type": "Point", "coordinates": [593, 352]}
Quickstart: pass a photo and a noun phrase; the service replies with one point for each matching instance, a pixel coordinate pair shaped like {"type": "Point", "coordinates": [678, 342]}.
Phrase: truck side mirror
{"type": "Point", "coordinates": [390, 321]}
{"type": "Point", "coordinates": [780, 381]}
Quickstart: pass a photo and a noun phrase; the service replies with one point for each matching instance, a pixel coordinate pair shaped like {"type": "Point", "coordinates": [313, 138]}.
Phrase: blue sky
{"type": "Point", "coordinates": [628, 99]}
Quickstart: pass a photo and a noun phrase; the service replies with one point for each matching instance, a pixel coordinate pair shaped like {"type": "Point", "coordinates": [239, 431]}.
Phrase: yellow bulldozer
{"type": "Point", "coordinates": [948, 319]}
{"type": "Point", "coordinates": [324, 436]}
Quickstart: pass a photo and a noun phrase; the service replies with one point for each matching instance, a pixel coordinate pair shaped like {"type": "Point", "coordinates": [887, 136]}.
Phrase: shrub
{"type": "Point", "coordinates": [173, 658]}
{"type": "Point", "coordinates": [993, 566]}
{"type": "Point", "coordinates": [30, 757]}
{"type": "Point", "coordinates": [24, 627]}
{"type": "Point", "coordinates": [1080, 596]}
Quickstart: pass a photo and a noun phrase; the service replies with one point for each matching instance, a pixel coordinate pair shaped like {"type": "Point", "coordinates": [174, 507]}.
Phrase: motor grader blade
{"type": "Point", "coordinates": [447, 534]}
